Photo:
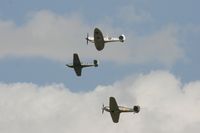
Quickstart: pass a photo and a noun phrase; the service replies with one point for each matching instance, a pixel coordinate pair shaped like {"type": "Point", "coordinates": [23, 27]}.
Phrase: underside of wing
{"type": "Point", "coordinates": [115, 116]}
{"type": "Point", "coordinates": [98, 39]}
{"type": "Point", "coordinates": [114, 110]}
{"type": "Point", "coordinates": [113, 104]}
{"type": "Point", "coordinates": [78, 70]}
{"type": "Point", "coordinates": [76, 59]}
{"type": "Point", "coordinates": [98, 36]}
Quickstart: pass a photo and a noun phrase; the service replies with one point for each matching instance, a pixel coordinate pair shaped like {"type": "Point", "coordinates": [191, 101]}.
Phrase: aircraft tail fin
{"type": "Point", "coordinates": [95, 63]}
{"type": "Point", "coordinates": [122, 38]}
{"type": "Point", "coordinates": [136, 109]}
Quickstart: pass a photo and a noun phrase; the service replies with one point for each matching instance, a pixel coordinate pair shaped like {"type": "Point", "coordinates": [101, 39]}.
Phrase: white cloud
{"type": "Point", "coordinates": [49, 35]}
{"type": "Point", "coordinates": [130, 14]}
{"type": "Point", "coordinates": [45, 34]}
{"type": "Point", "coordinates": [163, 46]}
{"type": "Point", "coordinates": [167, 106]}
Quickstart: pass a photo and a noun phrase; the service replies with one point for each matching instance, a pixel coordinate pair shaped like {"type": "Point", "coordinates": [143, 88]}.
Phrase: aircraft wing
{"type": "Point", "coordinates": [76, 59]}
{"type": "Point", "coordinates": [115, 116]}
{"type": "Point", "coordinates": [78, 70]}
{"type": "Point", "coordinates": [98, 39]}
{"type": "Point", "coordinates": [77, 64]}
{"type": "Point", "coordinates": [98, 36]}
{"type": "Point", "coordinates": [114, 110]}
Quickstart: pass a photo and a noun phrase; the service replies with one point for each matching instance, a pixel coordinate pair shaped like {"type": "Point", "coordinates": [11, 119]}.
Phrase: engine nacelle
{"type": "Point", "coordinates": [136, 109]}
{"type": "Point", "coordinates": [95, 63]}
{"type": "Point", "coordinates": [122, 38]}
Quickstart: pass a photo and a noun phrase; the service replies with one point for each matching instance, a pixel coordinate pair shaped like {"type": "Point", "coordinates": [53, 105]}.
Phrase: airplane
{"type": "Point", "coordinates": [77, 65]}
{"type": "Point", "coordinates": [115, 110]}
{"type": "Point", "coordinates": [99, 40]}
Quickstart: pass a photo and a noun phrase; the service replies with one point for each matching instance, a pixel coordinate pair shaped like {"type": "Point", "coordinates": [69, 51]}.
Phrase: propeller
{"type": "Point", "coordinates": [87, 38]}
{"type": "Point", "coordinates": [103, 109]}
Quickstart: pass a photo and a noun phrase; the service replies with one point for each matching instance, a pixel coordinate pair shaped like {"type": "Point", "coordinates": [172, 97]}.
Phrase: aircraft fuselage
{"type": "Point", "coordinates": [121, 109]}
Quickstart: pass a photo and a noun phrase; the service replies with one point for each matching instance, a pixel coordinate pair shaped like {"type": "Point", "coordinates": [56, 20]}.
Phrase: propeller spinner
{"type": "Point", "coordinates": [87, 38]}
{"type": "Point", "coordinates": [103, 109]}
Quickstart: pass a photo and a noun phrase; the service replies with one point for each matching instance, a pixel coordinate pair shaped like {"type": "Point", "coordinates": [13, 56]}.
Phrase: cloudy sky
{"type": "Point", "coordinates": [156, 67]}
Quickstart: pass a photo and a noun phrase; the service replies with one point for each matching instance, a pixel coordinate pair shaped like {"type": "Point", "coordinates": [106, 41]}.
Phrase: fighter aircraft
{"type": "Point", "coordinates": [77, 65]}
{"type": "Point", "coordinates": [115, 110]}
{"type": "Point", "coordinates": [99, 40]}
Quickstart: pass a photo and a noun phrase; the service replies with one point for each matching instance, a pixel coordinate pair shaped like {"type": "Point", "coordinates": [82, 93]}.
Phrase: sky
{"type": "Point", "coordinates": [156, 67]}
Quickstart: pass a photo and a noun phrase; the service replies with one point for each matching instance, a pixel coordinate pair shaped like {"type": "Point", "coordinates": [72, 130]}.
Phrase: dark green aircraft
{"type": "Point", "coordinates": [77, 65]}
